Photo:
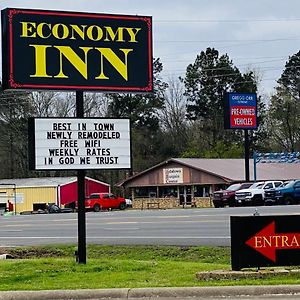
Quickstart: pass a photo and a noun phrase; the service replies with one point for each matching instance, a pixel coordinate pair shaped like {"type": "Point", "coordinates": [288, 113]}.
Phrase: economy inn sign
{"type": "Point", "coordinates": [76, 51]}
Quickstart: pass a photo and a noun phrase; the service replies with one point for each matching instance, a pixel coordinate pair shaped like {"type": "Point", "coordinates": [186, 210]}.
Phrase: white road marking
{"type": "Point", "coordinates": [124, 222]}
{"type": "Point", "coordinates": [62, 220]}
{"type": "Point", "coordinates": [118, 229]}
{"type": "Point", "coordinates": [166, 222]}
{"type": "Point", "coordinates": [16, 225]}
{"type": "Point", "coordinates": [11, 230]}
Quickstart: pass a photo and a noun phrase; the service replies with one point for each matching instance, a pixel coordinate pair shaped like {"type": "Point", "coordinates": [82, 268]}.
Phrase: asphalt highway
{"type": "Point", "coordinates": [182, 227]}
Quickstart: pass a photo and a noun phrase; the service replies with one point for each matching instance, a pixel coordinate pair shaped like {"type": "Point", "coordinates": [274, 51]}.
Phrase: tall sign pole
{"type": "Point", "coordinates": [81, 193]}
{"type": "Point", "coordinates": [247, 155]}
{"type": "Point", "coordinates": [240, 112]}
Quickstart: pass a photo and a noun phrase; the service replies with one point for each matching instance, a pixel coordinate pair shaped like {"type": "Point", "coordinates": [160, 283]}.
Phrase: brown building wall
{"type": "Point", "coordinates": [191, 176]}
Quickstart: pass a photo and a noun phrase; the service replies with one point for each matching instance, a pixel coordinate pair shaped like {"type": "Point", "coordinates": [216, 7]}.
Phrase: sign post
{"type": "Point", "coordinates": [247, 155]}
{"type": "Point", "coordinates": [81, 251]}
{"type": "Point", "coordinates": [240, 112]}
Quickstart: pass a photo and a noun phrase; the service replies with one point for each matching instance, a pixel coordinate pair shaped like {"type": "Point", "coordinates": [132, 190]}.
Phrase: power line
{"type": "Point", "coordinates": [227, 41]}
{"type": "Point", "coordinates": [226, 21]}
{"type": "Point", "coordinates": [270, 68]}
{"type": "Point", "coordinates": [258, 62]}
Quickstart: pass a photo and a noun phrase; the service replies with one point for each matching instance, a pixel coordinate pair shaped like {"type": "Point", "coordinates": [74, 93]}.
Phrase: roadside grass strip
{"type": "Point", "coordinates": [54, 267]}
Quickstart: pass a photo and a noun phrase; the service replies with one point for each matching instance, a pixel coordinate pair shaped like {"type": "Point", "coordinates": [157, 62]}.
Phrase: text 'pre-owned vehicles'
{"type": "Point", "coordinates": [103, 201]}
{"type": "Point", "coordinates": [226, 197]}
{"type": "Point", "coordinates": [254, 195]}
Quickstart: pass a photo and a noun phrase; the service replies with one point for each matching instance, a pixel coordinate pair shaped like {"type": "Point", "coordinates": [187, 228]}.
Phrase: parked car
{"type": "Point", "coordinates": [226, 197]}
{"type": "Point", "coordinates": [55, 209]}
{"type": "Point", "coordinates": [128, 202]}
{"type": "Point", "coordinates": [289, 193]}
{"type": "Point", "coordinates": [100, 201]}
{"type": "Point", "coordinates": [254, 195]}
{"type": "Point", "coordinates": [270, 195]}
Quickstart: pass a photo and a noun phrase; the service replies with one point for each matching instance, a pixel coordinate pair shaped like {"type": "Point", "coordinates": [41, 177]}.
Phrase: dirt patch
{"type": "Point", "coordinates": [232, 275]}
{"type": "Point", "coordinates": [25, 253]}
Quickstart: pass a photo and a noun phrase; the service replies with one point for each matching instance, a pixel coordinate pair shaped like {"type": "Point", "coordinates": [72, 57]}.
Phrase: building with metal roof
{"type": "Point", "coordinates": [31, 194]}
{"type": "Point", "coordinates": [187, 179]}
{"type": "Point", "coordinates": [39, 181]}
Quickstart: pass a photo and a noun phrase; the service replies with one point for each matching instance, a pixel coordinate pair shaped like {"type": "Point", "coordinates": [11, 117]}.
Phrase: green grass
{"type": "Point", "coordinates": [54, 267]}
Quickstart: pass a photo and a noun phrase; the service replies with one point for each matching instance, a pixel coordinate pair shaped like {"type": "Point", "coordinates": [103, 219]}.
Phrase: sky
{"type": "Point", "coordinates": [256, 34]}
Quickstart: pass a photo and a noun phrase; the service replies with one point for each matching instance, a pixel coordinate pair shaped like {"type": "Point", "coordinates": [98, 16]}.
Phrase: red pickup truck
{"type": "Point", "coordinates": [226, 197]}
{"type": "Point", "coordinates": [99, 201]}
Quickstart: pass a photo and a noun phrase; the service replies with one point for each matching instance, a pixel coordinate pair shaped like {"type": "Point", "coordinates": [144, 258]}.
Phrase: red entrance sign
{"type": "Point", "coordinates": [267, 241]}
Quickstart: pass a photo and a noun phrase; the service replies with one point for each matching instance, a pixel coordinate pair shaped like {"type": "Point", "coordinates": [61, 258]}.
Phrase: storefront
{"type": "Point", "coordinates": [173, 183]}
{"type": "Point", "coordinates": [181, 182]}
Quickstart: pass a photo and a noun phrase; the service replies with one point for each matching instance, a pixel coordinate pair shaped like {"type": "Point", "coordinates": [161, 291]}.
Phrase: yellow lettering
{"type": "Point", "coordinates": [73, 31]}
{"type": "Point", "coordinates": [276, 237]}
{"type": "Point", "coordinates": [294, 241]}
{"type": "Point", "coordinates": [74, 59]}
{"type": "Point", "coordinates": [40, 30]}
{"type": "Point", "coordinates": [60, 31]}
{"type": "Point", "coordinates": [258, 242]}
{"type": "Point", "coordinates": [267, 241]}
{"type": "Point", "coordinates": [27, 28]}
{"type": "Point", "coordinates": [78, 30]}
{"type": "Point", "coordinates": [99, 33]}
{"type": "Point", "coordinates": [40, 61]}
{"type": "Point", "coordinates": [284, 240]}
{"type": "Point", "coordinates": [132, 33]}
{"type": "Point", "coordinates": [115, 61]}
{"type": "Point", "coordinates": [111, 35]}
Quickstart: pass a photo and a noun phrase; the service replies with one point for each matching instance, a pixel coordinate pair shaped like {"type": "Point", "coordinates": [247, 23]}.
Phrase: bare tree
{"type": "Point", "coordinates": [173, 121]}
{"type": "Point", "coordinates": [15, 108]}
{"type": "Point", "coordinates": [96, 104]}
{"type": "Point", "coordinates": [44, 103]}
{"type": "Point", "coordinates": [283, 121]}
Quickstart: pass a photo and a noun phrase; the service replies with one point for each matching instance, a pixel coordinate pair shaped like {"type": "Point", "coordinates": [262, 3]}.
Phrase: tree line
{"type": "Point", "coordinates": [182, 118]}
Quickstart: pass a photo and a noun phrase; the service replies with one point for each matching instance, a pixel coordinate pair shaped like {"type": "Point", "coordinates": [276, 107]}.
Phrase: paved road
{"type": "Point", "coordinates": [148, 227]}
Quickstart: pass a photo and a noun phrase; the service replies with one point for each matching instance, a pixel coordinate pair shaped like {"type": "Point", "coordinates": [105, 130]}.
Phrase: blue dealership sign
{"type": "Point", "coordinates": [240, 111]}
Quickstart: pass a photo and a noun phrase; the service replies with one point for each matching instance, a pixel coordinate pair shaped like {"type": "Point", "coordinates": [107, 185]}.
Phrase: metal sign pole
{"type": "Point", "coordinates": [247, 146]}
{"type": "Point", "coordinates": [81, 254]}
{"type": "Point", "coordinates": [254, 165]}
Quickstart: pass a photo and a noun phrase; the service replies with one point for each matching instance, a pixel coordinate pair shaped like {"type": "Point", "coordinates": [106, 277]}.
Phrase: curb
{"type": "Point", "coordinates": [149, 293]}
{"type": "Point", "coordinates": [66, 295]}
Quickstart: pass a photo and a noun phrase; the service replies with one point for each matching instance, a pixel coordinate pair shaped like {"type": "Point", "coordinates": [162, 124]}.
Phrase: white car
{"type": "Point", "coordinates": [254, 195]}
{"type": "Point", "coordinates": [128, 202]}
